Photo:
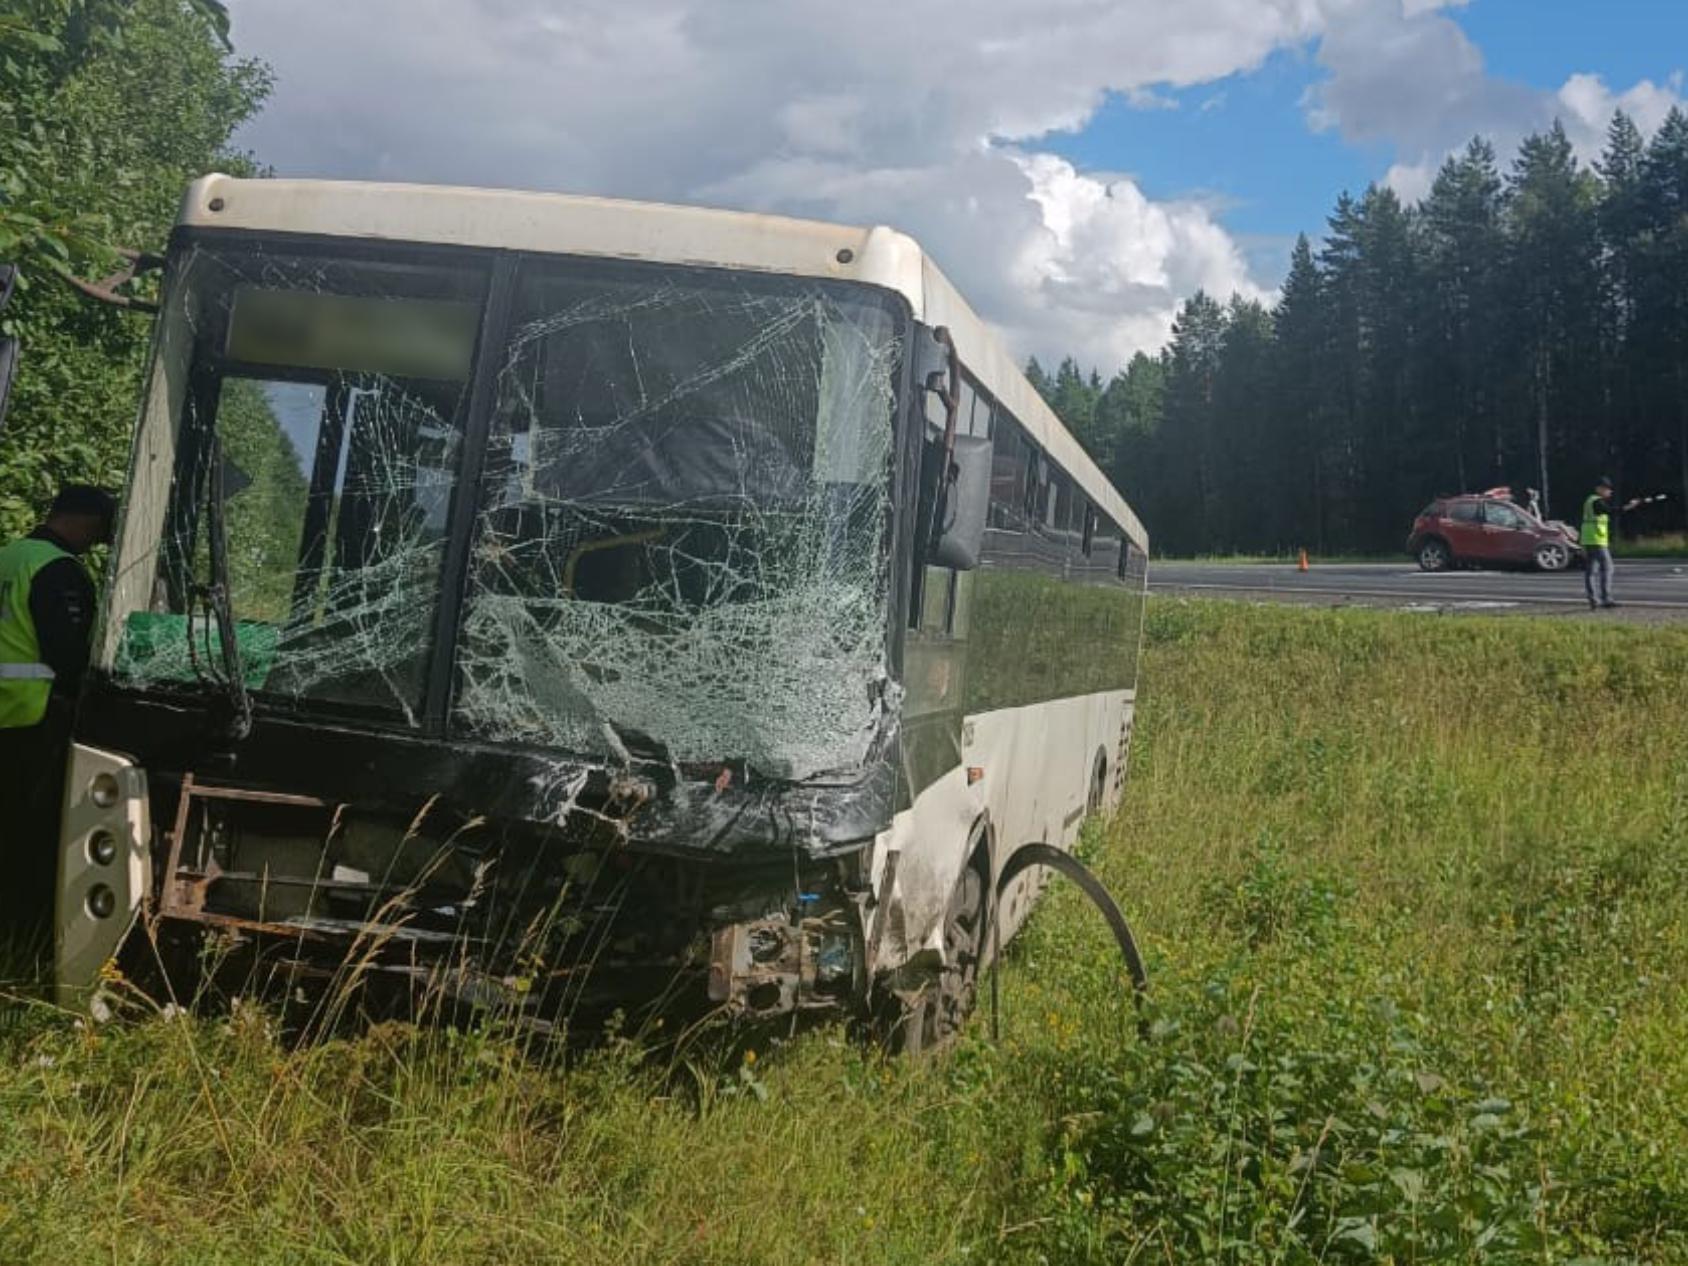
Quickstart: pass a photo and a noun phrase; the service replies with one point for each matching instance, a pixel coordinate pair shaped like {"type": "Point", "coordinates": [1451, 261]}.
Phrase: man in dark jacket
{"type": "Point", "coordinates": [46, 626]}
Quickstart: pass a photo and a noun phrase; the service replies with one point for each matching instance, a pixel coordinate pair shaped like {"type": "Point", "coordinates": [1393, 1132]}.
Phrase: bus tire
{"type": "Point", "coordinates": [930, 1019]}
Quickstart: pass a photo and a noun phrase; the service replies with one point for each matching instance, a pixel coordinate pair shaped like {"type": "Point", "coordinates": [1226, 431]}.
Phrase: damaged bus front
{"type": "Point", "coordinates": [524, 623]}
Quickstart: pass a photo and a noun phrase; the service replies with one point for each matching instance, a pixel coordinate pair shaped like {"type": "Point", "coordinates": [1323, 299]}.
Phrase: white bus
{"type": "Point", "coordinates": [555, 597]}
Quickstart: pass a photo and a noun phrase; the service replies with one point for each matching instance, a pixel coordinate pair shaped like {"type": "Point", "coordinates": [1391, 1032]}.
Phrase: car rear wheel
{"type": "Point", "coordinates": [1434, 555]}
{"type": "Point", "coordinates": [1553, 556]}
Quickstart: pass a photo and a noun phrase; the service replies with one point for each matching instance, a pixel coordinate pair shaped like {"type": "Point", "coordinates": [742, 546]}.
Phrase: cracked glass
{"type": "Point", "coordinates": [311, 408]}
{"type": "Point", "coordinates": [682, 547]}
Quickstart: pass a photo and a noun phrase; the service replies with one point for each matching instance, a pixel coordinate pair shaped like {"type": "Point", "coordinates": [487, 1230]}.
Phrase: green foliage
{"type": "Point", "coordinates": [1271, 899]}
{"type": "Point", "coordinates": [267, 519]}
{"type": "Point", "coordinates": [1414, 896]}
{"type": "Point", "coordinates": [45, 46]}
{"type": "Point", "coordinates": [106, 115]}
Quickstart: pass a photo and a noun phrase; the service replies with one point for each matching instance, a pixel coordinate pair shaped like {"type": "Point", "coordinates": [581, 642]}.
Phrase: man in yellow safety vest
{"type": "Point", "coordinates": [1598, 512]}
{"type": "Point", "coordinates": [46, 623]}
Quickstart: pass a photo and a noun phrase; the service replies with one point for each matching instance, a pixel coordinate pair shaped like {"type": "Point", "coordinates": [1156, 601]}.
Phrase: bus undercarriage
{"type": "Point", "coordinates": [618, 887]}
{"type": "Point", "coordinates": [530, 918]}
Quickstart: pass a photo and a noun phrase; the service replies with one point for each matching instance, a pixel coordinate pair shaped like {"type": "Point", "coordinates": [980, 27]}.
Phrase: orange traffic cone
{"type": "Point", "coordinates": [1302, 565]}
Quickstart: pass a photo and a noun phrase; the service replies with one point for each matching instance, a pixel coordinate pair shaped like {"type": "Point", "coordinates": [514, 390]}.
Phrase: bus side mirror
{"type": "Point", "coordinates": [8, 346]}
{"type": "Point", "coordinates": [959, 536]}
{"type": "Point", "coordinates": [930, 353]}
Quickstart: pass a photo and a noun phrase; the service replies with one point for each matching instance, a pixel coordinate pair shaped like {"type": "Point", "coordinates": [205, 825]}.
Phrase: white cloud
{"type": "Point", "coordinates": [890, 111]}
{"type": "Point", "coordinates": [1149, 99]}
{"type": "Point", "coordinates": [909, 112]}
{"type": "Point", "coordinates": [1412, 8]}
{"type": "Point", "coordinates": [1107, 249]}
{"type": "Point", "coordinates": [1411, 181]}
{"type": "Point", "coordinates": [1413, 80]}
{"type": "Point", "coordinates": [1586, 106]}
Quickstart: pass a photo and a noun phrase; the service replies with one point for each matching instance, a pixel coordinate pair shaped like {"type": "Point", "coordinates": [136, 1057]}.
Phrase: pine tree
{"type": "Point", "coordinates": [1461, 245]}
{"type": "Point", "coordinates": [1198, 342]}
{"type": "Point", "coordinates": [1386, 432]}
{"type": "Point", "coordinates": [1662, 298]}
{"type": "Point", "coordinates": [1074, 401]}
{"type": "Point", "coordinates": [1303, 401]}
{"type": "Point", "coordinates": [1554, 291]}
{"type": "Point", "coordinates": [1131, 410]}
{"type": "Point", "coordinates": [1623, 250]}
{"type": "Point", "coordinates": [1039, 378]}
{"type": "Point", "coordinates": [1242, 436]}
{"type": "Point", "coordinates": [1345, 340]}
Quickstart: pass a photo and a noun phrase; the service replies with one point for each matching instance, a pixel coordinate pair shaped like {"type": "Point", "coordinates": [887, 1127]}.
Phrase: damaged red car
{"type": "Point", "coordinates": [1490, 529]}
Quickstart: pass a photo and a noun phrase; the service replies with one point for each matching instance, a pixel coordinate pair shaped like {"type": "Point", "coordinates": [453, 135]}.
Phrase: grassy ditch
{"type": "Point", "coordinates": [1415, 898]}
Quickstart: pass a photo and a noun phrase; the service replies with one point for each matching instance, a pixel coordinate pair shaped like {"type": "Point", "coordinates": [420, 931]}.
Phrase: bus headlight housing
{"type": "Point", "coordinates": [104, 868]}
{"type": "Point", "coordinates": [104, 790]}
{"type": "Point", "coordinates": [102, 847]}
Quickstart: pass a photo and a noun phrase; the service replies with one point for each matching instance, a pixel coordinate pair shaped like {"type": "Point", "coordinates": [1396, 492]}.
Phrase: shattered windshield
{"type": "Point", "coordinates": [315, 405]}
{"type": "Point", "coordinates": [681, 549]}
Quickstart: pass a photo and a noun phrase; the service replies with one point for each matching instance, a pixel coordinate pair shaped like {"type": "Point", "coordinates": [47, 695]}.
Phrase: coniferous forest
{"type": "Point", "coordinates": [1523, 325]}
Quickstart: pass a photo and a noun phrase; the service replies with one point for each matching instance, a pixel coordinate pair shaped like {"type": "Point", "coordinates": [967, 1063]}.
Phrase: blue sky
{"type": "Point", "coordinates": [1244, 144]}
{"type": "Point", "coordinates": [1544, 41]}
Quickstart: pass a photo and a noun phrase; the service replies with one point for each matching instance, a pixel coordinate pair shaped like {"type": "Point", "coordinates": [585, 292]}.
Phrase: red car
{"type": "Point", "coordinates": [1489, 530]}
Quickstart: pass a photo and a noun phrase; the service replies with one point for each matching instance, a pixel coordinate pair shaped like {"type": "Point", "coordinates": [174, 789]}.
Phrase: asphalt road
{"type": "Point", "coordinates": [1645, 590]}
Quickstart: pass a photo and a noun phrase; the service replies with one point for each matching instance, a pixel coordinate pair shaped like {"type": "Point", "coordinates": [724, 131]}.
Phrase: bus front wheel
{"type": "Point", "coordinates": [932, 1018]}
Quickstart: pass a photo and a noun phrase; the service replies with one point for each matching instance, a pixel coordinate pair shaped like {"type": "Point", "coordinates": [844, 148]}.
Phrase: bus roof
{"type": "Point", "coordinates": [568, 224]}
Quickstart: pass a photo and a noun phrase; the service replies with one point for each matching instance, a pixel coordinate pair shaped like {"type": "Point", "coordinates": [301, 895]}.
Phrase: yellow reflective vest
{"type": "Point", "coordinates": [25, 682]}
{"type": "Point", "coordinates": [1596, 528]}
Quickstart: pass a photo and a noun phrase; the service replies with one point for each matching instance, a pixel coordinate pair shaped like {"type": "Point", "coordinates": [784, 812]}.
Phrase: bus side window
{"type": "Point", "coordinates": [1008, 476]}
{"type": "Point", "coordinates": [937, 603]}
{"type": "Point", "coordinates": [1057, 519]}
{"type": "Point", "coordinates": [961, 604]}
{"type": "Point", "coordinates": [964, 408]}
{"type": "Point", "coordinates": [981, 423]}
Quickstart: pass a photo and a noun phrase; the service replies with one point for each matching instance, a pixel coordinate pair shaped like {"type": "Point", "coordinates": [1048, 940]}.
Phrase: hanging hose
{"type": "Point", "coordinates": [1039, 854]}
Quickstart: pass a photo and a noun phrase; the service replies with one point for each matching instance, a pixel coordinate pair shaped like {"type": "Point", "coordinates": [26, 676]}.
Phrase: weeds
{"type": "Point", "coordinates": [1415, 900]}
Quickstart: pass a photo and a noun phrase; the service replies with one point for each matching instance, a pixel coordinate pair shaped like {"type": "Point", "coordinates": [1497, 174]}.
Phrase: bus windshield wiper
{"type": "Point", "coordinates": [218, 599]}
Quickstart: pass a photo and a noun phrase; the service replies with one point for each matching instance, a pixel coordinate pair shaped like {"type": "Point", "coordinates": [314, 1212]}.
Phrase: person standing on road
{"type": "Point", "coordinates": [46, 627]}
{"type": "Point", "coordinates": [1598, 513]}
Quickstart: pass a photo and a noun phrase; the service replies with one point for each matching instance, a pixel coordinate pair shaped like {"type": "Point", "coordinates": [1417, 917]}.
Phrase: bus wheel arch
{"type": "Point", "coordinates": [1096, 792]}
{"type": "Point", "coordinates": [1037, 853]}
{"type": "Point", "coordinates": [928, 1014]}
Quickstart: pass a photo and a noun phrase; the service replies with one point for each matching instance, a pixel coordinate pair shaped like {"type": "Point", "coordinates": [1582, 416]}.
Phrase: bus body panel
{"type": "Point", "coordinates": [1042, 757]}
{"type": "Point", "coordinates": [560, 224]}
{"type": "Point", "coordinates": [105, 857]}
{"type": "Point", "coordinates": [1027, 777]}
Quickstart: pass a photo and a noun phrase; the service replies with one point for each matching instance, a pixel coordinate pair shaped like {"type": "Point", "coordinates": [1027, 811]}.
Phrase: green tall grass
{"type": "Point", "coordinates": [1415, 897]}
{"type": "Point", "coordinates": [1660, 545]}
